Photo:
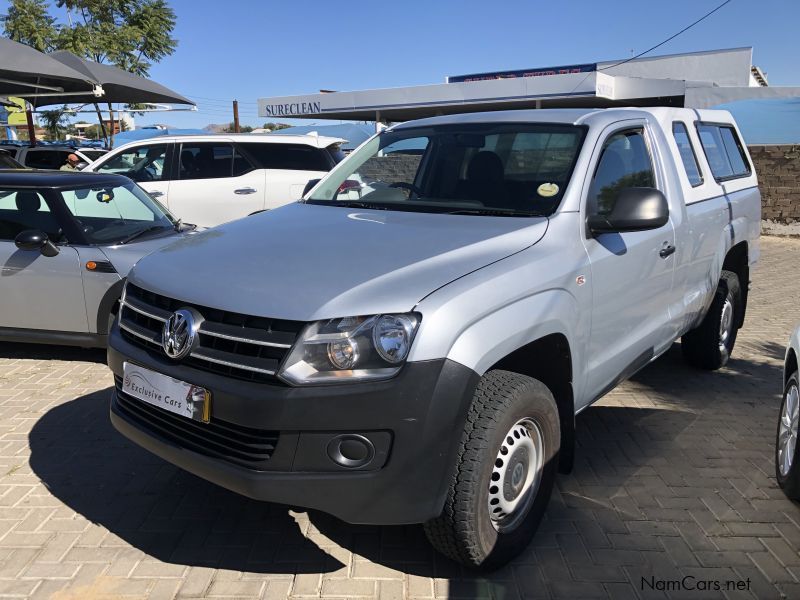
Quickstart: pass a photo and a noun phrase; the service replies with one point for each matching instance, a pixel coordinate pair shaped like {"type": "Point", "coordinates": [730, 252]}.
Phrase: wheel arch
{"type": "Point", "coordinates": [549, 360]}
{"type": "Point", "coordinates": [737, 261]}
{"type": "Point", "coordinates": [790, 365]}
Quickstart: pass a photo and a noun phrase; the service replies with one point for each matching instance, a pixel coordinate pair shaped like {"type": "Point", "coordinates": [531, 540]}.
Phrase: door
{"type": "Point", "coordinates": [215, 184]}
{"type": "Point", "coordinates": [147, 164]}
{"type": "Point", "coordinates": [36, 291]}
{"type": "Point", "coordinates": [631, 273]}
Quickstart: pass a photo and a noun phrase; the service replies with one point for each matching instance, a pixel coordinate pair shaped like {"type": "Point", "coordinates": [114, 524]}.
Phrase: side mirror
{"type": "Point", "coordinates": [311, 183]}
{"type": "Point", "coordinates": [636, 209]}
{"type": "Point", "coordinates": [36, 240]}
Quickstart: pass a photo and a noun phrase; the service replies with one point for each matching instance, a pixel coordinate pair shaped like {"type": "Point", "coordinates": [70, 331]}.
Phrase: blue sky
{"type": "Point", "coordinates": [247, 49]}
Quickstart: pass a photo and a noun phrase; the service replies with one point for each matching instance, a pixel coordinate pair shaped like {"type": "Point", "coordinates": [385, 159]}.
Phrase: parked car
{"type": "Point", "coordinates": [787, 470]}
{"type": "Point", "coordinates": [7, 161]}
{"type": "Point", "coordinates": [67, 241]}
{"type": "Point", "coordinates": [52, 157]}
{"type": "Point", "coordinates": [211, 179]}
{"type": "Point", "coordinates": [419, 354]}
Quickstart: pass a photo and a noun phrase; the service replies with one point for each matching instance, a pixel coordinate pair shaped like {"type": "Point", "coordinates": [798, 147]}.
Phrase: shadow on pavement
{"type": "Point", "coordinates": [12, 350]}
{"type": "Point", "coordinates": [622, 457]}
{"type": "Point", "coordinates": [157, 508]}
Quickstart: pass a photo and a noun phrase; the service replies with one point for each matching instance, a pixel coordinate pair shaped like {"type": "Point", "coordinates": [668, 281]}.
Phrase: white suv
{"type": "Point", "coordinates": [211, 179]}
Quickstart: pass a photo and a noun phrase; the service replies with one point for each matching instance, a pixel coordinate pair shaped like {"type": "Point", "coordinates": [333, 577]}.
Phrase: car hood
{"type": "Point", "coordinates": [307, 262]}
{"type": "Point", "coordinates": [124, 256]}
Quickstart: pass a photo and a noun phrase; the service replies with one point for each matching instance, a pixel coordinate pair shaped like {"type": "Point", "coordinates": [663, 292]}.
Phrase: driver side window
{"type": "Point", "coordinates": [142, 163]}
{"type": "Point", "coordinates": [624, 163]}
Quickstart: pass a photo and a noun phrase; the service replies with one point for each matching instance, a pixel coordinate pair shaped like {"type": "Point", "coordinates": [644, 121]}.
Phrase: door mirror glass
{"type": "Point", "coordinates": [35, 240]}
{"type": "Point", "coordinates": [634, 209]}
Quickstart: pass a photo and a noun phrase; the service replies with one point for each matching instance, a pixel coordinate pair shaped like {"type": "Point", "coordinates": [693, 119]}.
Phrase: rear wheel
{"type": "Point", "coordinates": [787, 469]}
{"type": "Point", "coordinates": [504, 475]}
{"type": "Point", "coordinates": [710, 345]}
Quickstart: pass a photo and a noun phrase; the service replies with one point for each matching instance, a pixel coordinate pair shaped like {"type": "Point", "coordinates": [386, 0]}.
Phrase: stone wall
{"type": "Point", "coordinates": [395, 167]}
{"type": "Point", "coordinates": [778, 170]}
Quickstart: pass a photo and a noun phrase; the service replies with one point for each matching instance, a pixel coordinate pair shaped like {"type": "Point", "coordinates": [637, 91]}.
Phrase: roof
{"type": "Point", "coordinates": [33, 178]}
{"type": "Point", "coordinates": [545, 115]}
{"type": "Point", "coordinates": [697, 79]}
{"type": "Point", "coordinates": [594, 117]}
{"type": "Point", "coordinates": [267, 138]}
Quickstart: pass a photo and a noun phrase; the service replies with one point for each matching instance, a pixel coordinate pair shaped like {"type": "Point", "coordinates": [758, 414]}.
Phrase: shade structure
{"type": "Point", "coordinates": [25, 71]}
{"type": "Point", "coordinates": [118, 85]}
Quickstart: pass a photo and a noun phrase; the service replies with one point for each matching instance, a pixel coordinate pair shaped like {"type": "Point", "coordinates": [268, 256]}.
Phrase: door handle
{"type": "Point", "coordinates": [156, 194]}
{"type": "Point", "coordinates": [243, 191]}
{"type": "Point", "coordinates": [666, 251]}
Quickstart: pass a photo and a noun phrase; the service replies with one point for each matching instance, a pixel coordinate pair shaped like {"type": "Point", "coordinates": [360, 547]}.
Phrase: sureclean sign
{"type": "Point", "coordinates": [291, 108]}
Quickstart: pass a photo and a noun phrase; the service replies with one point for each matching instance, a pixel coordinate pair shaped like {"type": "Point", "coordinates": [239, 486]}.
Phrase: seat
{"type": "Point", "coordinates": [30, 215]}
{"type": "Point", "coordinates": [28, 203]}
{"type": "Point", "coordinates": [485, 179]}
{"type": "Point", "coordinates": [188, 165]}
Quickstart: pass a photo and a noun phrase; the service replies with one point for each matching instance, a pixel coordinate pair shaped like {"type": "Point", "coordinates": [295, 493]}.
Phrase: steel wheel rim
{"type": "Point", "coordinates": [516, 474]}
{"type": "Point", "coordinates": [726, 325]}
{"type": "Point", "coordinates": [787, 431]}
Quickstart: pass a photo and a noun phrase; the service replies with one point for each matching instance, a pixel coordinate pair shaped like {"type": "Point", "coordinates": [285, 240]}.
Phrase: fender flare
{"type": "Point", "coordinates": [110, 298]}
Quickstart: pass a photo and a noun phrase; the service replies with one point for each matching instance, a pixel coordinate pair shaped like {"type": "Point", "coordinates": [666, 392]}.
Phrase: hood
{"type": "Point", "coordinates": [124, 256]}
{"type": "Point", "coordinates": [307, 262]}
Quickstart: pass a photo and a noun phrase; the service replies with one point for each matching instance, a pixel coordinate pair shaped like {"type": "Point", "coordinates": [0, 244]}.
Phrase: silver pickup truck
{"type": "Point", "coordinates": [411, 342]}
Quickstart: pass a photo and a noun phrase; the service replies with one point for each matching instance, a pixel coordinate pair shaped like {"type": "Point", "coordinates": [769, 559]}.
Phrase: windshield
{"type": "Point", "coordinates": [6, 162]}
{"type": "Point", "coordinates": [92, 154]}
{"type": "Point", "coordinates": [114, 214]}
{"type": "Point", "coordinates": [514, 169]}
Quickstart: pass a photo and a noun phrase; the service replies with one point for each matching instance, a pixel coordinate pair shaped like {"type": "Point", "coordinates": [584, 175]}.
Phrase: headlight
{"type": "Point", "coordinates": [351, 349]}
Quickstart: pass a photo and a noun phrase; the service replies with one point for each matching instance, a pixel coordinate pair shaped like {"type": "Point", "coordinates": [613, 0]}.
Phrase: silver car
{"type": "Point", "coordinates": [412, 341]}
{"type": "Point", "coordinates": [67, 241]}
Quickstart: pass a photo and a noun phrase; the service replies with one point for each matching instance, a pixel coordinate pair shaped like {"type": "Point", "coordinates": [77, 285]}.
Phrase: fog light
{"type": "Point", "coordinates": [343, 354]}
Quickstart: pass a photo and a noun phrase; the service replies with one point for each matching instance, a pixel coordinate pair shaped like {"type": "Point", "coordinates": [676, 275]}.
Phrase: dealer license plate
{"type": "Point", "coordinates": [179, 397]}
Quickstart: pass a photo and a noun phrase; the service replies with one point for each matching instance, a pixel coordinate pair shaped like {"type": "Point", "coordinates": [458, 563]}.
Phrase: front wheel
{"type": "Point", "coordinates": [504, 472]}
{"type": "Point", "coordinates": [787, 469]}
{"type": "Point", "coordinates": [710, 345]}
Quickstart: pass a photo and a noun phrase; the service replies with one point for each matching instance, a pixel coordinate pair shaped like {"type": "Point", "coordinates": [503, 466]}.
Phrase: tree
{"type": "Point", "coordinates": [275, 126]}
{"type": "Point", "coordinates": [28, 22]}
{"type": "Point", "coordinates": [130, 34]}
{"type": "Point", "coordinates": [54, 121]}
{"type": "Point", "coordinates": [231, 128]}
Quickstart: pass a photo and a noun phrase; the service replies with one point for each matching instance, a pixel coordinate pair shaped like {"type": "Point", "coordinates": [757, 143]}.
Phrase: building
{"type": "Point", "coordinates": [696, 79]}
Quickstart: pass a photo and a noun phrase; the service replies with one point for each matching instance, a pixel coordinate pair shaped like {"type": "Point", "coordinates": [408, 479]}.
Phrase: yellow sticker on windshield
{"type": "Point", "coordinates": [547, 190]}
{"type": "Point", "coordinates": [104, 197]}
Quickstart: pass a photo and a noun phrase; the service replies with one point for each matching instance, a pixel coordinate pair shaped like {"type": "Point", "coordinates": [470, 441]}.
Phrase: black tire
{"type": "Point", "coordinates": [703, 347]}
{"type": "Point", "coordinates": [790, 481]}
{"type": "Point", "coordinates": [465, 531]}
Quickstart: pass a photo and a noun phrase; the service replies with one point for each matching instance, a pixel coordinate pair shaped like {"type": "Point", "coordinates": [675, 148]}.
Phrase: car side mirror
{"type": "Point", "coordinates": [636, 209]}
{"type": "Point", "coordinates": [311, 183]}
{"type": "Point", "coordinates": [36, 240]}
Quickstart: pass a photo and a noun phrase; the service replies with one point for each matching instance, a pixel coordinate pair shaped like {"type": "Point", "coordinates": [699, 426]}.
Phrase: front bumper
{"type": "Point", "coordinates": [415, 420]}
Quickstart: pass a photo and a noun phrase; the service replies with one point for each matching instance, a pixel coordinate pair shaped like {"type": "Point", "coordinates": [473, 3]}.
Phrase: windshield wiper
{"type": "Point", "coordinates": [141, 232]}
{"type": "Point", "coordinates": [495, 212]}
{"type": "Point", "coordinates": [352, 204]}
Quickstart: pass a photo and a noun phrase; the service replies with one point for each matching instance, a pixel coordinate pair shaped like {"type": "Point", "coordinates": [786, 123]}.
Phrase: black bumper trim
{"type": "Point", "coordinates": [424, 409]}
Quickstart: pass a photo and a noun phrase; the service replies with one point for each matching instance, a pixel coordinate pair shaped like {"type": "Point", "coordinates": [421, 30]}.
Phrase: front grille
{"type": "Point", "coordinates": [231, 344]}
{"type": "Point", "coordinates": [243, 446]}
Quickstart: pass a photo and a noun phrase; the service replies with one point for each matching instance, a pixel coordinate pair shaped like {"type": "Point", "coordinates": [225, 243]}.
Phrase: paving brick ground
{"type": "Point", "coordinates": [674, 479]}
